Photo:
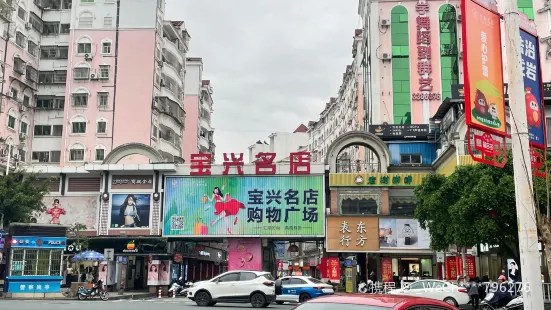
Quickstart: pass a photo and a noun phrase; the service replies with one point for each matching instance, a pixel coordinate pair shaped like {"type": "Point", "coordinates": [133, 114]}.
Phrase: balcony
{"type": "Point", "coordinates": [175, 56]}
{"type": "Point", "coordinates": [172, 37]}
{"type": "Point", "coordinates": [174, 75]}
{"type": "Point", "coordinates": [170, 108]}
{"type": "Point", "coordinates": [6, 11]}
{"type": "Point", "coordinates": [204, 142]}
{"type": "Point", "coordinates": [168, 147]}
{"type": "Point", "coordinates": [171, 89]}
{"type": "Point", "coordinates": [170, 141]}
{"type": "Point", "coordinates": [205, 124]}
{"type": "Point", "coordinates": [206, 104]}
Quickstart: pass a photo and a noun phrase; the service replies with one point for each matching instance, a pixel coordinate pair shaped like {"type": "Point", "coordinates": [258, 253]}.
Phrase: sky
{"type": "Point", "coordinates": [273, 64]}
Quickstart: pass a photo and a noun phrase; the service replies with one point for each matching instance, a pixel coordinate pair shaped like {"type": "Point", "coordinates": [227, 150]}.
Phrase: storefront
{"type": "Point", "coordinates": [34, 265]}
{"type": "Point", "coordinates": [197, 262]}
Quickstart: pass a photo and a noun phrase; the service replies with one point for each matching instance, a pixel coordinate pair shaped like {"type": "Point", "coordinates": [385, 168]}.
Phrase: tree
{"type": "Point", "coordinates": [21, 196]}
{"type": "Point", "coordinates": [81, 240]}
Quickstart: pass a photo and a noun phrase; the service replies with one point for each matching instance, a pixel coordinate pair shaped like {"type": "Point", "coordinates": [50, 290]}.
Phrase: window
{"type": "Point", "coordinates": [360, 204]}
{"type": "Point", "coordinates": [410, 159]}
{"type": "Point", "coordinates": [449, 55]}
{"type": "Point", "coordinates": [76, 155]}
{"type": "Point", "coordinates": [402, 205]}
{"type": "Point", "coordinates": [65, 28]}
{"type": "Point", "coordinates": [84, 48]}
{"type": "Point", "coordinates": [106, 48]}
{"type": "Point", "coordinates": [100, 154]}
{"type": "Point", "coordinates": [26, 100]}
{"type": "Point", "coordinates": [20, 39]}
{"type": "Point", "coordinates": [54, 52]}
{"type": "Point", "coordinates": [297, 281]}
{"type": "Point", "coordinates": [86, 20]}
{"type": "Point", "coordinates": [57, 130]}
{"type": "Point", "coordinates": [42, 130]}
{"type": "Point", "coordinates": [103, 99]}
{"type": "Point", "coordinates": [78, 127]}
{"type": "Point", "coordinates": [400, 65]}
{"type": "Point", "coordinates": [229, 277]}
{"type": "Point", "coordinates": [50, 28]}
{"type": "Point", "coordinates": [104, 72]}
{"type": "Point", "coordinates": [55, 156]}
{"type": "Point", "coordinates": [107, 21]}
{"type": "Point", "coordinates": [526, 7]}
{"type": "Point", "coordinates": [80, 100]}
{"type": "Point", "coordinates": [19, 65]}
{"type": "Point", "coordinates": [155, 132]}
{"type": "Point", "coordinates": [82, 73]}
{"type": "Point", "coordinates": [31, 74]}
{"type": "Point", "coordinates": [52, 77]}
{"type": "Point", "coordinates": [41, 157]}
{"type": "Point", "coordinates": [35, 262]}
{"type": "Point", "coordinates": [11, 121]}
{"type": "Point", "coordinates": [36, 22]}
{"type": "Point", "coordinates": [33, 48]}
{"type": "Point", "coordinates": [50, 103]}
{"type": "Point", "coordinates": [21, 13]}
{"type": "Point", "coordinates": [23, 126]}
{"type": "Point", "coordinates": [101, 127]}
{"type": "Point", "coordinates": [247, 276]}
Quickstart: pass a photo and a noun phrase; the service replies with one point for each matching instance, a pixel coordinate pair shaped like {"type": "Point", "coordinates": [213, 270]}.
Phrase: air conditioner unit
{"type": "Point", "coordinates": [22, 136]}
{"type": "Point", "coordinates": [93, 77]}
{"type": "Point", "coordinates": [387, 56]}
{"type": "Point", "coordinates": [22, 108]}
{"type": "Point", "coordinates": [385, 22]}
{"type": "Point", "coordinates": [28, 26]}
{"type": "Point", "coordinates": [87, 57]}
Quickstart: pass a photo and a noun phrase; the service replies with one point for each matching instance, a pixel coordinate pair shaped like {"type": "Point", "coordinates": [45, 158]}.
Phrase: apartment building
{"type": "Point", "coordinates": [342, 113]}
{"type": "Point", "coordinates": [82, 77]}
{"type": "Point", "coordinates": [282, 144]}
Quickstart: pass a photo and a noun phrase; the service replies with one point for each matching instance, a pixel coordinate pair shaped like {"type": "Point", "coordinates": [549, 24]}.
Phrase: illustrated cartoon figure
{"type": "Point", "coordinates": [532, 109]}
{"type": "Point", "coordinates": [225, 207]}
{"type": "Point", "coordinates": [492, 109]}
{"type": "Point", "coordinates": [480, 103]}
{"type": "Point", "coordinates": [55, 211]}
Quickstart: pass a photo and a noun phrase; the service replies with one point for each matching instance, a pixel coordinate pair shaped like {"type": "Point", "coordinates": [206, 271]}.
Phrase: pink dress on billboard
{"type": "Point", "coordinates": [230, 207]}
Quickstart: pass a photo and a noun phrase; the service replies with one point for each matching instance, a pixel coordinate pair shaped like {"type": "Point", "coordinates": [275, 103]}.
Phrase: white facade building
{"type": "Point", "coordinates": [282, 144]}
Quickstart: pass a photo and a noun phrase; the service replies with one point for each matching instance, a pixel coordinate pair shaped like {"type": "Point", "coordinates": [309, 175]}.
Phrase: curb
{"type": "Point", "coordinates": [111, 297]}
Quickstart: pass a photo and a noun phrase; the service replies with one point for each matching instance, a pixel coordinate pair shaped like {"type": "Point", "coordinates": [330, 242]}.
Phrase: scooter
{"type": "Point", "coordinates": [365, 287]}
{"type": "Point", "coordinates": [97, 290]}
{"type": "Point", "coordinates": [177, 289]}
{"type": "Point", "coordinates": [514, 304]}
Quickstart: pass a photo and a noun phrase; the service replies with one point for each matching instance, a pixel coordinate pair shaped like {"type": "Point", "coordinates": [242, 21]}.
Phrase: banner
{"type": "Point", "coordinates": [533, 88]}
{"type": "Point", "coordinates": [334, 269]}
{"type": "Point", "coordinates": [244, 254]}
{"type": "Point", "coordinates": [402, 233]}
{"type": "Point", "coordinates": [244, 206]}
{"type": "Point", "coordinates": [386, 266]}
{"type": "Point", "coordinates": [484, 96]}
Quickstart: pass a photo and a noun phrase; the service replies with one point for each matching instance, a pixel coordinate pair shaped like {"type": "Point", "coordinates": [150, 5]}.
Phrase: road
{"type": "Point", "coordinates": [148, 304]}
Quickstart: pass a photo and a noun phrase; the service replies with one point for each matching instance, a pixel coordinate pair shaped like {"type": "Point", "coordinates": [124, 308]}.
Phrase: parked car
{"type": "Point", "coordinates": [436, 289]}
{"type": "Point", "coordinates": [301, 289]}
{"type": "Point", "coordinates": [373, 302]}
{"type": "Point", "coordinates": [254, 287]}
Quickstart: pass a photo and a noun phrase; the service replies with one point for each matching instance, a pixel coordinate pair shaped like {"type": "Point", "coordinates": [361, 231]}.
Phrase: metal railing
{"type": "Point", "coordinates": [358, 167]}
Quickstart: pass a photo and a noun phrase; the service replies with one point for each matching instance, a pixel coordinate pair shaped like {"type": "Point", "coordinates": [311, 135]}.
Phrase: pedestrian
{"type": "Point", "coordinates": [486, 278]}
{"type": "Point", "coordinates": [473, 293]}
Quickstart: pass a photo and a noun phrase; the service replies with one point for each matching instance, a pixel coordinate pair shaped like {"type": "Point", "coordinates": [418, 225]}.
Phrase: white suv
{"type": "Point", "coordinates": [255, 287]}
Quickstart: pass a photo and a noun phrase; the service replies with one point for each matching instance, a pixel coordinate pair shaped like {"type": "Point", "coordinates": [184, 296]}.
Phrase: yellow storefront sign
{"type": "Point", "coordinates": [376, 179]}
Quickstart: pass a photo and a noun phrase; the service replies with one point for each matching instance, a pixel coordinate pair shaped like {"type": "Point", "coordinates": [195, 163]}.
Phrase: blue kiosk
{"type": "Point", "coordinates": [34, 263]}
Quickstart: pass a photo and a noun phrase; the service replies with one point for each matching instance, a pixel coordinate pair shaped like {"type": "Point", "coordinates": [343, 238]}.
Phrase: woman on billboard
{"type": "Point", "coordinates": [129, 214]}
{"type": "Point", "coordinates": [224, 207]}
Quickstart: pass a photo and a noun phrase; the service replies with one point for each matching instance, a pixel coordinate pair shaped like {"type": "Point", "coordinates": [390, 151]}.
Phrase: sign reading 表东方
{"type": "Point", "coordinates": [39, 242]}
{"type": "Point", "coordinates": [244, 206]}
{"type": "Point", "coordinates": [352, 234]}
{"type": "Point", "coordinates": [376, 179]}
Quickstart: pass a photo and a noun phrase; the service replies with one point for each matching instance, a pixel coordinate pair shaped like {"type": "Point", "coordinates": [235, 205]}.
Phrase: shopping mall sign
{"type": "Point", "coordinates": [247, 206]}
{"type": "Point", "coordinates": [376, 179]}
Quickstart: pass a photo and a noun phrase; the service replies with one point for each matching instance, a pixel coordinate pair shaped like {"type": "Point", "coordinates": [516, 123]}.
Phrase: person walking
{"type": "Point", "coordinates": [473, 293]}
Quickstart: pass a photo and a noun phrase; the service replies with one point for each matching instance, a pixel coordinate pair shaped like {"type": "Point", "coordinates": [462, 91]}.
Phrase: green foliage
{"type": "Point", "coordinates": [457, 209]}
{"type": "Point", "coordinates": [81, 241]}
{"type": "Point", "coordinates": [21, 196]}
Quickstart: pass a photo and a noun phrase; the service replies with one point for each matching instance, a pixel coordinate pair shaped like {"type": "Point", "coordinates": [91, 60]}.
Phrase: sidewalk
{"type": "Point", "coordinates": [112, 296]}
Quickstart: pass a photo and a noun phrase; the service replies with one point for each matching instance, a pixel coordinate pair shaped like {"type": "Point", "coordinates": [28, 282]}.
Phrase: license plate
{"type": "Point", "coordinates": [328, 290]}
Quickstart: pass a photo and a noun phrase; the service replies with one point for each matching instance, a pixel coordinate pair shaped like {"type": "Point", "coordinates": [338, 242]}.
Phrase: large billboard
{"type": "Point", "coordinates": [130, 211]}
{"type": "Point", "coordinates": [66, 210]}
{"type": "Point", "coordinates": [244, 206]}
{"type": "Point", "coordinates": [402, 234]}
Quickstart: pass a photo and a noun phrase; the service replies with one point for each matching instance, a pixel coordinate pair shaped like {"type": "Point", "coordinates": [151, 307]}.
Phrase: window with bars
{"type": "Point", "coordinates": [54, 52]}
{"type": "Point", "coordinates": [20, 39]}
{"type": "Point", "coordinates": [78, 127]}
{"type": "Point", "coordinates": [35, 262]}
{"type": "Point", "coordinates": [36, 22]}
{"type": "Point", "coordinates": [33, 48]}
{"type": "Point", "coordinates": [104, 72]}
{"type": "Point", "coordinates": [76, 155]}
{"type": "Point", "coordinates": [50, 103]}
{"type": "Point", "coordinates": [80, 100]}
{"type": "Point", "coordinates": [101, 127]}
{"type": "Point", "coordinates": [50, 28]}
{"type": "Point", "coordinates": [31, 74]}
{"type": "Point", "coordinates": [100, 154]}
{"type": "Point", "coordinates": [82, 73]}
{"type": "Point", "coordinates": [103, 99]}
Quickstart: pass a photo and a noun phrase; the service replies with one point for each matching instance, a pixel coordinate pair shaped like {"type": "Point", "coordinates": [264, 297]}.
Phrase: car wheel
{"type": "Point", "coordinates": [450, 301]}
{"type": "Point", "coordinates": [304, 298]}
{"type": "Point", "coordinates": [279, 302]}
{"type": "Point", "coordinates": [202, 299]}
{"type": "Point", "coordinates": [258, 300]}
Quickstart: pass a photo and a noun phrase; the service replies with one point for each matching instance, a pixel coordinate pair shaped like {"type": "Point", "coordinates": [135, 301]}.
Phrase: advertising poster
{"type": "Point", "coordinates": [244, 254]}
{"type": "Point", "coordinates": [402, 233]}
{"type": "Point", "coordinates": [103, 271]}
{"type": "Point", "coordinates": [130, 210]}
{"type": "Point", "coordinates": [280, 250]}
{"type": "Point", "coordinates": [484, 97]}
{"type": "Point", "coordinates": [451, 267]}
{"type": "Point", "coordinates": [386, 266]}
{"type": "Point", "coordinates": [153, 272]}
{"type": "Point", "coordinates": [471, 267]}
{"type": "Point", "coordinates": [244, 206]}
{"type": "Point", "coordinates": [334, 269]}
{"type": "Point", "coordinates": [69, 211]}
{"type": "Point", "coordinates": [513, 271]}
{"type": "Point", "coordinates": [533, 88]}
{"type": "Point", "coordinates": [164, 272]}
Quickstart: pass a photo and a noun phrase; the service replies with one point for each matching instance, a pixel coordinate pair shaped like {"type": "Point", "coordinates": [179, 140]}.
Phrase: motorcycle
{"type": "Point", "coordinates": [487, 303]}
{"type": "Point", "coordinates": [365, 287]}
{"type": "Point", "coordinates": [97, 290]}
{"type": "Point", "coordinates": [176, 288]}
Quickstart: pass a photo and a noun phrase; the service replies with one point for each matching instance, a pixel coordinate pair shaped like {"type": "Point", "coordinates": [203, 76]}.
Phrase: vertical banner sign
{"type": "Point", "coordinates": [533, 89]}
{"type": "Point", "coordinates": [484, 96]}
{"type": "Point", "coordinates": [386, 266]}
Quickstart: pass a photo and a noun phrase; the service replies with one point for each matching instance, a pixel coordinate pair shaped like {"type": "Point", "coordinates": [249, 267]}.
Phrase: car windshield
{"type": "Point", "coordinates": [268, 276]}
{"type": "Point", "coordinates": [331, 306]}
{"type": "Point", "coordinates": [314, 280]}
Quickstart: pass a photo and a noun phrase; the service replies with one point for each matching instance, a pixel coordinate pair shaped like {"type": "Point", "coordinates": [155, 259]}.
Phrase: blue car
{"type": "Point", "coordinates": [300, 289]}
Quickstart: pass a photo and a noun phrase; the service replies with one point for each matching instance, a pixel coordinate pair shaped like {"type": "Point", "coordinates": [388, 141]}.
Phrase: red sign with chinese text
{"type": "Point", "coordinates": [451, 267]}
{"type": "Point", "coordinates": [537, 160]}
{"type": "Point", "coordinates": [299, 163]}
{"type": "Point", "coordinates": [324, 266]}
{"type": "Point", "coordinates": [487, 148]}
{"type": "Point", "coordinates": [386, 266]}
{"type": "Point", "coordinates": [471, 267]}
{"type": "Point", "coordinates": [334, 269]}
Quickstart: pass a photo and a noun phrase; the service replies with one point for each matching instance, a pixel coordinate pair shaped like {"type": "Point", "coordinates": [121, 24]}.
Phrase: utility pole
{"type": "Point", "coordinates": [526, 210]}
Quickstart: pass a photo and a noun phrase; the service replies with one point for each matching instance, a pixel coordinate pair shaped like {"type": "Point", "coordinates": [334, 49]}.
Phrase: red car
{"type": "Point", "coordinates": [374, 302]}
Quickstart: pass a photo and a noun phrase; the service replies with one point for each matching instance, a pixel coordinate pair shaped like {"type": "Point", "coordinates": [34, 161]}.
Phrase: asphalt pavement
{"type": "Point", "coordinates": [144, 304]}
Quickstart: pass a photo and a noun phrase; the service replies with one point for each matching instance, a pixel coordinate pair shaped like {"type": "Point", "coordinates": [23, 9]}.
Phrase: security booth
{"type": "Point", "coordinates": [34, 260]}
